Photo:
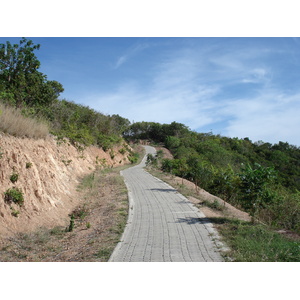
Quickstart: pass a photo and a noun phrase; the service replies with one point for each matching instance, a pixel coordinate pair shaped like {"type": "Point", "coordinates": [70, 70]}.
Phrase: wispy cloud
{"type": "Point", "coordinates": [270, 117]}
{"type": "Point", "coordinates": [258, 75]}
{"type": "Point", "coordinates": [189, 86]}
{"type": "Point", "coordinates": [131, 52]}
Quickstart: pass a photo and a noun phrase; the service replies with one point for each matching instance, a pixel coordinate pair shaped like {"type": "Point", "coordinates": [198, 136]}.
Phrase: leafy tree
{"type": "Point", "coordinates": [119, 124]}
{"type": "Point", "coordinates": [225, 184]}
{"type": "Point", "coordinates": [199, 171]}
{"type": "Point", "coordinates": [172, 142]}
{"type": "Point", "coordinates": [20, 81]}
{"type": "Point", "coordinates": [254, 193]}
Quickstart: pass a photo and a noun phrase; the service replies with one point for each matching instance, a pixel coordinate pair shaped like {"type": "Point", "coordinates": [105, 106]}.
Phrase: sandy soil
{"type": "Point", "coordinates": [98, 224]}
{"type": "Point", "coordinates": [48, 174]}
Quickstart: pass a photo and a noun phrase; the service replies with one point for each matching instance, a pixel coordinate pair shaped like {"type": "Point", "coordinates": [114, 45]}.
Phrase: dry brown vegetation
{"type": "Point", "coordinates": [14, 123]}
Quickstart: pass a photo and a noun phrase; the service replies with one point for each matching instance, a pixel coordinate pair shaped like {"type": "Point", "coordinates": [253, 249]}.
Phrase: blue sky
{"type": "Point", "coordinates": [236, 87]}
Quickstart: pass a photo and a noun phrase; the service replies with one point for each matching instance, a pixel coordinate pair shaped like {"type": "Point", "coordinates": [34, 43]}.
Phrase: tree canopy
{"type": "Point", "coordinates": [21, 84]}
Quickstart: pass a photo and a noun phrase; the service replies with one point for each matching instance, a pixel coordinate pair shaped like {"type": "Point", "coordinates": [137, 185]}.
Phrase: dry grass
{"type": "Point", "coordinates": [14, 123]}
{"type": "Point", "coordinates": [98, 225]}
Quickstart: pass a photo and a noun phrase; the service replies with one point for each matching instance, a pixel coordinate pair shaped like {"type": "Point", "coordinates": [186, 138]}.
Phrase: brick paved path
{"type": "Point", "coordinates": [162, 224]}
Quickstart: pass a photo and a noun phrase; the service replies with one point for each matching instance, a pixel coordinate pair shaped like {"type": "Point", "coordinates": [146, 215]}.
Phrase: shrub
{"type": "Point", "coordinates": [133, 157]}
{"type": "Point", "coordinates": [80, 213]}
{"type": "Point", "coordinates": [284, 211]}
{"type": "Point", "coordinates": [254, 192]}
{"type": "Point", "coordinates": [112, 154]}
{"type": "Point", "coordinates": [28, 165]}
{"type": "Point", "coordinates": [151, 160]}
{"type": "Point", "coordinates": [71, 226]}
{"type": "Point", "coordinates": [14, 195]}
{"type": "Point", "coordinates": [14, 177]}
{"type": "Point", "coordinates": [106, 142]}
{"type": "Point", "coordinates": [15, 213]}
{"type": "Point", "coordinates": [225, 184]}
{"type": "Point", "coordinates": [122, 151]}
{"type": "Point", "coordinates": [67, 162]}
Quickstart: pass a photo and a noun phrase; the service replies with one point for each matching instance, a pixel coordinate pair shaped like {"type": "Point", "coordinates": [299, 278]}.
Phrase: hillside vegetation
{"type": "Point", "coordinates": [260, 178]}
{"type": "Point", "coordinates": [26, 93]}
{"type": "Point", "coordinates": [58, 142]}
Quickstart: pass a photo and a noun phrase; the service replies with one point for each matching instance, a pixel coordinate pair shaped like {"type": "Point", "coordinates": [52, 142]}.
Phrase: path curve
{"type": "Point", "coordinates": [162, 226]}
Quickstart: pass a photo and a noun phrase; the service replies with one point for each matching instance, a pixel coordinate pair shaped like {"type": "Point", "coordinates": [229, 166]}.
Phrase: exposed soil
{"type": "Point", "coordinates": [98, 223]}
{"type": "Point", "coordinates": [48, 174]}
{"type": "Point", "coordinates": [100, 218]}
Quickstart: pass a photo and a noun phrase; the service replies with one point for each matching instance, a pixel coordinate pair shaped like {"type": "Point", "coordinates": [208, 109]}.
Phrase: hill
{"type": "Point", "coordinates": [260, 178]}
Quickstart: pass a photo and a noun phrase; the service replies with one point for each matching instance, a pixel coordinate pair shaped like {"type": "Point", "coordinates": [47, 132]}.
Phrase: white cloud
{"type": "Point", "coordinates": [270, 118]}
{"type": "Point", "coordinates": [121, 60]}
{"type": "Point", "coordinates": [175, 93]}
{"type": "Point", "coordinates": [129, 54]}
{"type": "Point", "coordinates": [257, 75]}
{"type": "Point", "coordinates": [188, 87]}
{"type": "Point", "coordinates": [159, 105]}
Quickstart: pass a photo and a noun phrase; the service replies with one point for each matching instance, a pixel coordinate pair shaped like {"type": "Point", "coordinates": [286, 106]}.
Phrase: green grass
{"type": "Point", "coordinates": [256, 243]}
{"type": "Point", "coordinates": [104, 253]}
{"type": "Point", "coordinates": [87, 182]}
{"type": "Point", "coordinates": [214, 205]}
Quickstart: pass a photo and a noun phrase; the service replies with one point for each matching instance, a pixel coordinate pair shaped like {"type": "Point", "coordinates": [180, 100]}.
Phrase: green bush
{"type": "Point", "coordinates": [225, 184]}
{"type": "Point", "coordinates": [133, 157]}
{"type": "Point", "coordinates": [14, 195]}
{"type": "Point", "coordinates": [14, 177]}
{"type": "Point", "coordinates": [284, 211]}
{"type": "Point", "coordinates": [254, 192]}
{"type": "Point", "coordinates": [122, 151]}
{"type": "Point", "coordinates": [106, 142]}
{"type": "Point", "coordinates": [151, 160]}
{"type": "Point", "coordinates": [72, 224]}
{"type": "Point", "coordinates": [14, 212]}
{"type": "Point", "coordinates": [28, 165]}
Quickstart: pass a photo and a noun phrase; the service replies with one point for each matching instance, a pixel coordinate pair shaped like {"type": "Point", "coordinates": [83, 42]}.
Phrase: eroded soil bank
{"type": "Point", "coordinates": [47, 173]}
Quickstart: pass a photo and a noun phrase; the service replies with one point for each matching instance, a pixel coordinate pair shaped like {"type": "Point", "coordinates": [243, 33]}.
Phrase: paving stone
{"type": "Point", "coordinates": [163, 226]}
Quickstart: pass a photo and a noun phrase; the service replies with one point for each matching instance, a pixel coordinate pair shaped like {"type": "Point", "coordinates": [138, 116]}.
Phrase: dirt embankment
{"type": "Point", "coordinates": [47, 174]}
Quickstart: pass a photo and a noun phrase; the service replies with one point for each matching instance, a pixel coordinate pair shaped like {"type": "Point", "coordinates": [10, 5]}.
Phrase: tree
{"type": "Point", "coordinates": [198, 171]}
{"type": "Point", "coordinates": [119, 124]}
{"type": "Point", "coordinates": [253, 187]}
{"type": "Point", "coordinates": [20, 81]}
